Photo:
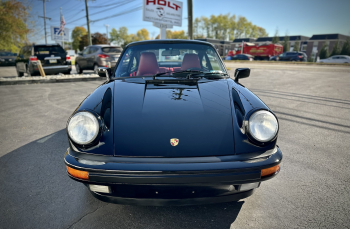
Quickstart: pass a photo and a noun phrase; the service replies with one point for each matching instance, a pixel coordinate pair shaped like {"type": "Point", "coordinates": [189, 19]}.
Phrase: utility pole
{"type": "Point", "coordinates": [87, 21]}
{"type": "Point", "coordinates": [190, 20]}
{"type": "Point", "coordinates": [45, 19]}
{"type": "Point", "coordinates": [107, 32]}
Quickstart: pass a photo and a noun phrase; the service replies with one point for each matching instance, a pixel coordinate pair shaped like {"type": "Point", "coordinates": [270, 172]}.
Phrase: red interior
{"type": "Point", "coordinates": [149, 65]}
{"type": "Point", "coordinates": [190, 61]}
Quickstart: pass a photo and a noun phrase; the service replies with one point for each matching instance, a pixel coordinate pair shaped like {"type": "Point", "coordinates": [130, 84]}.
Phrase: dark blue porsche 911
{"type": "Point", "coordinates": [170, 127]}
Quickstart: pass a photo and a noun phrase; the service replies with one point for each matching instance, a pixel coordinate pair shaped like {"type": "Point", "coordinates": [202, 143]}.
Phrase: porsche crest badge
{"type": "Point", "coordinates": [174, 141]}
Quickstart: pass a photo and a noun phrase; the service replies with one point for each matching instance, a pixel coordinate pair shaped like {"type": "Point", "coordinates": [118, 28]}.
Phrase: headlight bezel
{"type": "Point", "coordinates": [251, 137]}
{"type": "Point", "coordinates": [96, 138]}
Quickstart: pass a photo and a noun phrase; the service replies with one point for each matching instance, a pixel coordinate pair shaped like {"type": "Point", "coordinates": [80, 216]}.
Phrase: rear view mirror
{"type": "Point", "coordinates": [171, 53]}
{"type": "Point", "coordinates": [241, 73]}
{"type": "Point", "coordinates": [104, 72]}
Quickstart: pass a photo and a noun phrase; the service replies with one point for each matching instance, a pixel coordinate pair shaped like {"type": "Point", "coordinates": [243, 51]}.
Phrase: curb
{"type": "Point", "coordinates": [66, 80]}
{"type": "Point", "coordinates": [287, 63]}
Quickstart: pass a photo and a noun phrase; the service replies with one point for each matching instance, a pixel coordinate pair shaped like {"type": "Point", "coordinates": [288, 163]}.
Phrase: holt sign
{"type": "Point", "coordinates": [163, 11]}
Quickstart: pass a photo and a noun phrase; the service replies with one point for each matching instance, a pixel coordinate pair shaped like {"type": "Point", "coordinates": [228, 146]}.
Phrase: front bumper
{"type": "Point", "coordinates": [7, 63]}
{"type": "Point", "coordinates": [174, 181]}
{"type": "Point", "coordinates": [55, 69]}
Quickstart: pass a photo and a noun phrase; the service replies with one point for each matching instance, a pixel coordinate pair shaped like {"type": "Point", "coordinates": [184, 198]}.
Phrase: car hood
{"type": "Point", "coordinates": [147, 116]}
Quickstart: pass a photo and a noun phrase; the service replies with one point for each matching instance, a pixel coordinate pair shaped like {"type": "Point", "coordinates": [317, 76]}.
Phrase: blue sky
{"type": "Point", "coordinates": [297, 17]}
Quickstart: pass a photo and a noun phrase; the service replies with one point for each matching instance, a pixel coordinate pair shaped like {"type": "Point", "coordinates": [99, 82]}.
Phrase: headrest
{"type": "Point", "coordinates": [148, 64]}
{"type": "Point", "coordinates": [190, 60]}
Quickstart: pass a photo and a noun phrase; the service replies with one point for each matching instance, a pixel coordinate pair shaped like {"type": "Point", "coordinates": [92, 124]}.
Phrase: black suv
{"type": "Point", "coordinates": [53, 58]}
{"type": "Point", "coordinates": [292, 56]}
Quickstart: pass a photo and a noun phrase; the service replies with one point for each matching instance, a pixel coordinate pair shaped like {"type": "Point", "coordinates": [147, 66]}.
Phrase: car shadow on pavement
{"type": "Point", "coordinates": [37, 193]}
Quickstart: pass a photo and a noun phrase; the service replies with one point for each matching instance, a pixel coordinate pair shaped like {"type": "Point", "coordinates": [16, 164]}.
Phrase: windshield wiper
{"type": "Point", "coordinates": [214, 73]}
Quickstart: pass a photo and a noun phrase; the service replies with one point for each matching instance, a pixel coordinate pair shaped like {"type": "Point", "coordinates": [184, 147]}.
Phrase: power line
{"type": "Point", "coordinates": [93, 7]}
{"type": "Point", "coordinates": [119, 14]}
{"type": "Point", "coordinates": [121, 4]}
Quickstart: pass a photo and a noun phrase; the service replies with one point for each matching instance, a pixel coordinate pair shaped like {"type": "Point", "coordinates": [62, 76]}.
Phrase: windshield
{"type": "Point", "coordinates": [151, 59]}
{"type": "Point", "coordinates": [7, 54]}
{"type": "Point", "coordinates": [112, 50]}
{"type": "Point", "coordinates": [48, 50]}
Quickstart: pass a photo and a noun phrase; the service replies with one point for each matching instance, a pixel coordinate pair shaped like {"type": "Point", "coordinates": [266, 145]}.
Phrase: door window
{"type": "Point", "coordinates": [92, 50]}
{"type": "Point", "coordinates": [85, 51]}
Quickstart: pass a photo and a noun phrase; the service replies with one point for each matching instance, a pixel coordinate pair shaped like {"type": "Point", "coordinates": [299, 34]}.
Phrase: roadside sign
{"type": "Point", "coordinates": [163, 11]}
{"type": "Point", "coordinates": [58, 35]}
{"type": "Point", "coordinates": [159, 25]}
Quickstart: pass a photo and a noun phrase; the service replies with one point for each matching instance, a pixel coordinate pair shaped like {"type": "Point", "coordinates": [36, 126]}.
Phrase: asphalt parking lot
{"type": "Point", "coordinates": [10, 71]}
{"type": "Point", "coordinates": [311, 191]}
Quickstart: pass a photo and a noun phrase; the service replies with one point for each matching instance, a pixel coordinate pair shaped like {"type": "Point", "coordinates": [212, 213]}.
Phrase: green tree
{"type": "Point", "coordinates": [120, 36]}
{"type": "Point", "coordinates": [77, 33]}
{"type": "Point", "coordinates": [324, 52]}
{"type": "Point", "coordinates": [346, 48]}
{"type": "Point", "coordinates": [286, 43]}
{"type": "Point", "coordinates": [83, 42]}
{"type": "Point", "coordinates": [226, 26]}
{"type": "Point", "coordinates": [296, 46]}
{"type": "Point", "coordinates": [142, 34]}
{"type": "Point", "coordinates": [13, 27]}
{"type": "Point", "coordinates": [336, 49]}
{"type": "Point", "coordinates": [98, 38]}
{"type": "Point", "coordinates": [262, 32]}
{"type": "Point", "coordinates": [275, 39]}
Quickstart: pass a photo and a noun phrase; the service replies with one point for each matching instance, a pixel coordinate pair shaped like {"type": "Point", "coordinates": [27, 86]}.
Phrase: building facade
{"type": "Point", "coordinates": [311, 46]}
{"type": "Point", "coordinates": [316, 42]}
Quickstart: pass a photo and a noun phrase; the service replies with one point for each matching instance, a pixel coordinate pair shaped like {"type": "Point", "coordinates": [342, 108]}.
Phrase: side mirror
{"type": "Point", "coordinates": [241, 73]}
{"type": "Point", "coordinates": [105, 72]}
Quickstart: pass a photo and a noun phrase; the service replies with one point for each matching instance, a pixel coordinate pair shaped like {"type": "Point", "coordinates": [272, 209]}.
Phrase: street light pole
{"type": "Point", "coordinates": [190, 21]}
{"type": "Point", "coordinates": [87, 21]}
{"type": "Point", "coordinates": [107, 32]}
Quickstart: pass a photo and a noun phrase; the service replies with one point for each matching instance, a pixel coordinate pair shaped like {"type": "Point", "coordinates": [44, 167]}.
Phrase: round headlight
{"type": "Point", "coordinates": [83, 128]}
{"type": "Point", "coordinates": [263, 126]}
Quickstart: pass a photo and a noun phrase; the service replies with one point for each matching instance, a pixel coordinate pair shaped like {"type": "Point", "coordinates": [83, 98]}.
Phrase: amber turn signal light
{"type": "Point", "coordinates": [270, 171]}
{"type": "Point", "coordinates": [78, 174]}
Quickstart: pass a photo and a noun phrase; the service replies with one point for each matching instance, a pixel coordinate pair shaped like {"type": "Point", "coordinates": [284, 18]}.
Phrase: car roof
{"type": "Point", "coordinates": [104, 45]}
{"type": "Point", "coordinates": [46, 45]}
{"type": "Point", "coordinates": [162, 41]}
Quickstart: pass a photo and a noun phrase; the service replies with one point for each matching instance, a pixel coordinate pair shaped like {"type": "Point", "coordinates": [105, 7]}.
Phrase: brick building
{"type": "Point", "coordinates": [292, 40]}
{"type": "Point", "coordinates": [222, 46]}
{"type": "Point", "coordinates": [316, 42]}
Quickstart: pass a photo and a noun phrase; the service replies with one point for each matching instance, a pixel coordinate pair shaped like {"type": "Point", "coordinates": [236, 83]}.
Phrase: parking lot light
{"type": "Point", "coordinates": [270, 171]}
{"type": "Point", "coordinates": [78, 174]}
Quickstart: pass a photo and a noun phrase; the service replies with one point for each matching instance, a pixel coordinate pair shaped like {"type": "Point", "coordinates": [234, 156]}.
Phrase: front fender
{"type": "Point", "coordinates": [244, 104]}
{"type": "Point", "coordinates": [101, 103]}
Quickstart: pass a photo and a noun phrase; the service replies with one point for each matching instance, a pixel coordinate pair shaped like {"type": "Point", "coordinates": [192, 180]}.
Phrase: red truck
{"type": "Point", "coordinates": [261, 52]}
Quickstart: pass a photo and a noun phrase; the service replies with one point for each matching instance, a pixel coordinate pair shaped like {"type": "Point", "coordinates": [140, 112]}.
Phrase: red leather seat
{"type": "Point", "coordinates": [148, 64]}
{"type": "Point", "coordinates": [190, 60]}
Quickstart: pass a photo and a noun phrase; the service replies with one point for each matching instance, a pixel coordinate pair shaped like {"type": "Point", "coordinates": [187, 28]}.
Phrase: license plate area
{"type": "Point", "coordinates": [53, 61]}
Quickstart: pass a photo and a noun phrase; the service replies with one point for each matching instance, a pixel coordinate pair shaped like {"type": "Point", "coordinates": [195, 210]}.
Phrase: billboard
{"type": "Point", "coordinates": [163, 11]}
{"type": "Point", "coordinates": [56, 34]}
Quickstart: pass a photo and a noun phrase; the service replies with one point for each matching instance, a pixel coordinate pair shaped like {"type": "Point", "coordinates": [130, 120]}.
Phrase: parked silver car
{"type": "Point", "coordinates": [338, 59]}
{"type": "Point", "coordinates": [95, 56]}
